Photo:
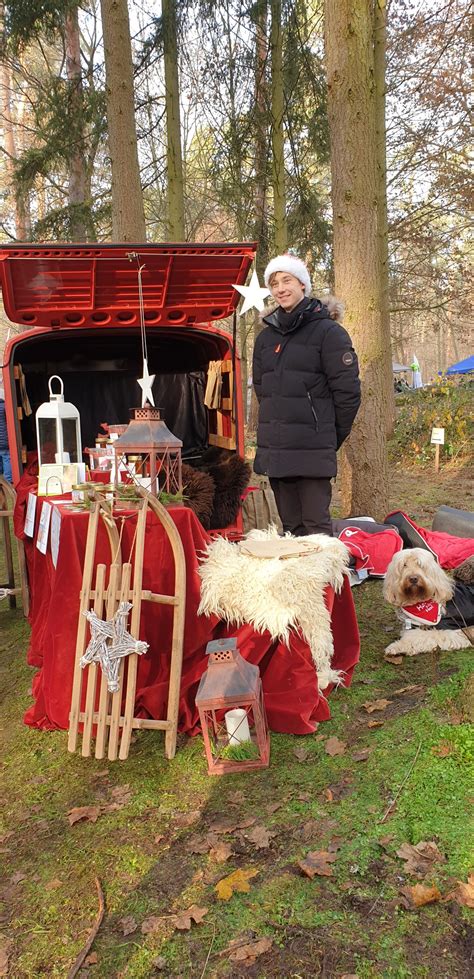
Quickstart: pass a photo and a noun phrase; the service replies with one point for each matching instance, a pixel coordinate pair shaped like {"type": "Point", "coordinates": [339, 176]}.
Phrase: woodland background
{"type": "Point", "coordinates": [339, 130]}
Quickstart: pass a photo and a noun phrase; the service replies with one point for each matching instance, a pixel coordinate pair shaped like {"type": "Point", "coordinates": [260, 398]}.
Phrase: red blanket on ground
{"type": "Point", "coordinates": [451, 551]}
{"type": "Point", "coordinates": [294, 703]}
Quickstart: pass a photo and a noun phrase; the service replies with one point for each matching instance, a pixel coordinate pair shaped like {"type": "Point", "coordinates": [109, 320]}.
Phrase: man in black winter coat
{"type": "Point", "coordinates": [306, 379]}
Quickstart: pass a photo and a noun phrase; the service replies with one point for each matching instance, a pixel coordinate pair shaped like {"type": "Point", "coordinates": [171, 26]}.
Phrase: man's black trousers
{"type": "Point", "coordinates": [303, 504]}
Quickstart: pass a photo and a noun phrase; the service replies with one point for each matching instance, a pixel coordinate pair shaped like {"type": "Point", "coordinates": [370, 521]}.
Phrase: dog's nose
{"type": "Point", "coordinates": [413, 580]}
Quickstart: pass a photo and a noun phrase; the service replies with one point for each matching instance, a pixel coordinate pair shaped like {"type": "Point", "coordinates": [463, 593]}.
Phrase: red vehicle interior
{"type": "Point", "coordinates": [81, 312]}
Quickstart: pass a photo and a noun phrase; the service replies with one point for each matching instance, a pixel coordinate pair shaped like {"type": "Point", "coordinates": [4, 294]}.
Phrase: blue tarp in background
{"type": "Point", "coordinates": [463, 367]}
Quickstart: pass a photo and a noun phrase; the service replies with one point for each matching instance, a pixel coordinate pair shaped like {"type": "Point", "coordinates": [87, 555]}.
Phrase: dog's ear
{"type": "Point", "coordinates": [443, 586]}
{"type": "Point", "coordinates": [391, 585]}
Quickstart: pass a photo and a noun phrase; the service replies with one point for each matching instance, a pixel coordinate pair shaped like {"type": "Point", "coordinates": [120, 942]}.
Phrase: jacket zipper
{"type": "Point", "coordinates": [313, 411]}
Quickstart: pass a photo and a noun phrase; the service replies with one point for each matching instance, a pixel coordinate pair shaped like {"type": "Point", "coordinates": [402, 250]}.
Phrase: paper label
{"type": "Point", "coordinates": [43, 530]}
{"type": "Point", "coordinates": [55, 533]}
{"type": "Point", "coordinates": [437, 436]}
{"type": "Point", "coordinates": [29, 527]}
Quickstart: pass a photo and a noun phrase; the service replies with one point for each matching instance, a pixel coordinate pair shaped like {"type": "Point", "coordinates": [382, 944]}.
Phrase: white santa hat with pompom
{"type": "Point", "coordinates": [292, 265]}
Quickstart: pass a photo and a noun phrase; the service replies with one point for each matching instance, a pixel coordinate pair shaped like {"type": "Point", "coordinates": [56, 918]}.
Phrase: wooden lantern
{"type": "Point", "coordinates": [149, 453]}
{"type": "Point", "coordinates": [232, 711]}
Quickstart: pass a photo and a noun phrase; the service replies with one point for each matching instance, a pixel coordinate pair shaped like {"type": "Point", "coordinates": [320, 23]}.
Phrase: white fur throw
{"type": "Point", "coordinates": [277, 595]}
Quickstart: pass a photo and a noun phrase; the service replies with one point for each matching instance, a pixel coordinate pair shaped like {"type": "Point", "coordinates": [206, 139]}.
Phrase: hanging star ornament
{"type": "Point", "coordinates": [145, 383]}
{"type": "Point", "coordinates": [109, 642]}
{"type": "Point", "coordinates": [253, 294]}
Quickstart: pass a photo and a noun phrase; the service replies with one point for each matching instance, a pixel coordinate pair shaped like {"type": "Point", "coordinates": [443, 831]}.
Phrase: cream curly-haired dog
{"type": "Point", "coordinates": [414, 576]}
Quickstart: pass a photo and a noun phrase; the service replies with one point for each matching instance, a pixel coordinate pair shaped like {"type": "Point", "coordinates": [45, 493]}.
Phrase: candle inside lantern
{"type": "Point", "coordinates": [237, 725]}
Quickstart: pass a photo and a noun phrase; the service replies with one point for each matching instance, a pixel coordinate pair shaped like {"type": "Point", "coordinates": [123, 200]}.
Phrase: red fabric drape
{"type": "Point", "coordinates": [293, 702]}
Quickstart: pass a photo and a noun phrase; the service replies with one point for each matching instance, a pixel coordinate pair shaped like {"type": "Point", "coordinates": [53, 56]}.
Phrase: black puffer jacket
{"type": "Point", "coordinates": [306, 380]}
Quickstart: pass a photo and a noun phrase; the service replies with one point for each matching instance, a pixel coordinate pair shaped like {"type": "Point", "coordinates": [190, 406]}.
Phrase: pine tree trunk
{"type": "Point", "coordinates": [380, 58]}
{"type": "Point", "coordinates": [22, 208]}
{"type": "Point", "coordinates": [261, 154]}
{"type": "Point", "coordinates": [173, 128]}
{"type": "Point", "coordinates": [80, 225]}
{"type": "Point", "coordinates": [128, 216]}
{"type": "Point", "coordinates": [278, 138]}
{"type": "Point", "coordinates": [351, 110]}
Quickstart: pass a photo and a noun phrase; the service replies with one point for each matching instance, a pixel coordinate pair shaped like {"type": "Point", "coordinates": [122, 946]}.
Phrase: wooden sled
{"type": "Point", "coordinates": [11, 589]}
{"type": "Point", "coordinates": [113, 714]}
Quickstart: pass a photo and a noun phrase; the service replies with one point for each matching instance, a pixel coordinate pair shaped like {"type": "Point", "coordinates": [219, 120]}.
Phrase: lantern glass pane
{"type": "Point", "coordinates": [47, 439]}
{"type": "Point", "coordinates": [69, 438]}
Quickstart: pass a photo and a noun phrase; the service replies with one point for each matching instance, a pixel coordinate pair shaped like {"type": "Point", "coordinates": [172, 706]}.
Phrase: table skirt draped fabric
{"type": "Point", "coordinates": [293, 700]}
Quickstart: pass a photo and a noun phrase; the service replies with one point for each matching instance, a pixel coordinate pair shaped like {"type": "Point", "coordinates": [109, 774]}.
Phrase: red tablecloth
{"type": "Point", "coordinates": [292, 698]}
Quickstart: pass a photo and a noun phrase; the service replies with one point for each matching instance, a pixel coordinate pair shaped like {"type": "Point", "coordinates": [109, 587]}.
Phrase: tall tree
{"type": "Point", "coordinates": [81, 225]}
{"type": "Point", "coordinates": [128, 215]}
{"type": "Point", "coordinates": [175, 184]}
{"type": "Point", "coordinates": [380, 58]}
{"type": "Point", "coordinates": [349, 58]}
{"type": "Point", "coordinates": [280, 234]}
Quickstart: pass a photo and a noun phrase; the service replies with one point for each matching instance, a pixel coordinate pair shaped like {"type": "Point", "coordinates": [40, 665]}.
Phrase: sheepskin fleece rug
{"type": "Point", "coordinates": [277, 595]}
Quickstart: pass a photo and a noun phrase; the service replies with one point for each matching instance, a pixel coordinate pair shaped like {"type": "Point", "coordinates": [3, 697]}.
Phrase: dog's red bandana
{"type": "Point", "coordinates": [424, 613]}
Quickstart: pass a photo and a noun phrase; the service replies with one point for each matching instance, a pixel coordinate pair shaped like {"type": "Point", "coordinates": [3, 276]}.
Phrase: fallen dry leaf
{"type": "Point", "coordinates": [158, 838]}
{"type": "Point", "coordinates": [249, 951]}
{"type": "Point", "coordinates": [464, 893]}
{"type": "Point", "coordinates": [238, 881]}
{"type": "Point", "coordinates": [304, 797]}
{"type": "Point", "coordinates": [335, 747]}
{"type": "Point", "coordinates": [317, 862]}
{"type": "Point", "coordinates": [412, 688]}
{"type": "Point", "coordinates": [418, 895]}
{"type": "Point", "coordinates": [151, 924]}
{"type": "Point", "coordinates": [260, 836]}
{"type": "Point", "coordinates": [362, 755]}
{"type": "Point", "coordinates": [375, 723]}
{"type": "Point", "coordinates": [183, 919]}
{"type": "Point", "coordinates": [384, 841]}
{"type": "Point", "coordinates": [420, 858]}
{"type": "Point", "coordinates": [301, 753]}
{"type": "Point", "coordinates": [220, 852]}
{"type": "Point", "coordinates": [121, 794]}
{"type": "Point", "coordinates": [128, 925]}
{"type": "Point", "coordinates": [91, 959]}
{"type": "Point", "coordinates": [91, 813]}
{"type": "Point", "coordinates": [53, 885]}
{"type": "Point", "coordinates": [183, 819]}
{"type": "Point", "coordinates": [442, 750]}
{"type": "Point", "coordinates": [335, 844]}
{"type": "Point", "coordinates": [371, 705]}
{"type": "Point", "coordinates": [273, 807]}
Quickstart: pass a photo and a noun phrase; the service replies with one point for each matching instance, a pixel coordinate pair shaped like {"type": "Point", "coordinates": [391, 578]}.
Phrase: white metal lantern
{"type": "Point", "coordinates": [58, 429]}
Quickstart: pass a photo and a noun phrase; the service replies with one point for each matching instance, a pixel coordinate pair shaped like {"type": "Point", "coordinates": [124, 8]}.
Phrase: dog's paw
{"type": "Point", "coordinates": [395, 649]}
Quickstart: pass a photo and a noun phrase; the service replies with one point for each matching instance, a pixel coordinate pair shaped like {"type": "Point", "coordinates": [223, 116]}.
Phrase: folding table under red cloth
{"type": "Point", "coordinates": [294, 703]}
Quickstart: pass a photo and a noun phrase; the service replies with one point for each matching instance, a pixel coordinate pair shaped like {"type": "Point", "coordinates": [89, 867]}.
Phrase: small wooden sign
{"type": "Point", "coordinates": [437, 436]}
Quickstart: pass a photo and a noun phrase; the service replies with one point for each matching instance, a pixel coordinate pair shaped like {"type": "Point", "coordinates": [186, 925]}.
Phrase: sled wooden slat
{"type": "Point", "coordinates": [82, 625]}
{"type": "Point", "coordinates": [104, 696]}
{"type": "Point", "coordinates": [114, 730]}
{"type": "Point", "coordinates": [132, 660]}
{"type": "Point", "coordinates": [113, 716]}
{"type": "Point", "coordinates": [92, 668]}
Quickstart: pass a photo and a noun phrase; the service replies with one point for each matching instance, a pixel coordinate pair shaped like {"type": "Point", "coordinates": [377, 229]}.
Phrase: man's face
{"type": "Point", "coordinates": [287, 290]}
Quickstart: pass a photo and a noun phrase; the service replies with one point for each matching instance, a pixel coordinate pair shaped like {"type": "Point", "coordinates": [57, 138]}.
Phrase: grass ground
{"type": "Point", "coordinates": [153, 855]}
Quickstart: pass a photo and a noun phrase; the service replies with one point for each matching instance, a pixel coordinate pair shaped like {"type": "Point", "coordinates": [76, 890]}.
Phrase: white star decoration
{"type": "Point", "coordinates": [145, 383]}
{"type": "Point", "coordinates": [253, 294]}
{"type": "Point", "coordinates": [109, 642]}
